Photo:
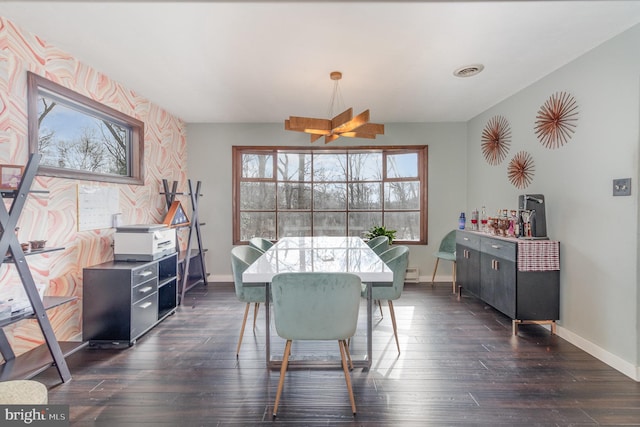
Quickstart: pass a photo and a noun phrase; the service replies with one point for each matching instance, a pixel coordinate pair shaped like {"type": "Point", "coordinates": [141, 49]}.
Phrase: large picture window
{"type": "Point", "coordinates": [280, 192]}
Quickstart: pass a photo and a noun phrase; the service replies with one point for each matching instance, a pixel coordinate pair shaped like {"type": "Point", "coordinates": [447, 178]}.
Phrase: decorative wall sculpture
{"type": "Point", "coordinates": [521, 170]}
{"type": "Point", "coordinates": [496, 139]}
{"type": "Point", "coordinates": [555, 121]}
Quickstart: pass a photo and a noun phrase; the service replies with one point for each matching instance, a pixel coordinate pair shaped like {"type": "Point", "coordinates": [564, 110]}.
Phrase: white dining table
{"type": "Point", "coordinates": [348, 254]}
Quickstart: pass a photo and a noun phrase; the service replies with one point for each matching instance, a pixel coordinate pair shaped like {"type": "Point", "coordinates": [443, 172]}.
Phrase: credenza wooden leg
{"type": "Point", "coordinates": [516, 322]}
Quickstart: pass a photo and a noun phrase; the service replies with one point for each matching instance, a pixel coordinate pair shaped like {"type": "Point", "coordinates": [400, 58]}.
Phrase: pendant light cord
{"type": "Point", "coordinates": [336, 96]}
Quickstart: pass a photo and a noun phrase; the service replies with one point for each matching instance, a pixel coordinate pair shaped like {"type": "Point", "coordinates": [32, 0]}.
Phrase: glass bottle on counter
{"type": "Point", "coordinates": [483, 220]}
{"type": "Point", "coordinates": [462, 221]}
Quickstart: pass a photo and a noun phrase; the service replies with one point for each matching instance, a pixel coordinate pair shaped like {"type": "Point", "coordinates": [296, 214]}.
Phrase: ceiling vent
{"type": "Point", "coordinates": [468, 70]}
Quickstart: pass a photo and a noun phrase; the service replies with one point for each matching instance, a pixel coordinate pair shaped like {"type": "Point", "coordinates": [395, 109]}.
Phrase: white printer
{"type": "Point", "coordinates": [143, 242]}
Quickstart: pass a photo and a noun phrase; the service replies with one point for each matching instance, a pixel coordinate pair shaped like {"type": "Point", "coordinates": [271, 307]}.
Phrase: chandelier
{"type": "Point", "coordinates": [344, 124]}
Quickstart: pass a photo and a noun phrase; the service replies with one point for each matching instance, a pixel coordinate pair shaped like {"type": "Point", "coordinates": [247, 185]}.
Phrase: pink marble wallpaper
{"type": "Point", "coordinates": [53, 216]}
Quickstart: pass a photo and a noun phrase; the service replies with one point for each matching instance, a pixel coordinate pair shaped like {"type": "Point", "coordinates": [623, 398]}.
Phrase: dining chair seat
{"type": "Point", "coordinates": [315, 306]}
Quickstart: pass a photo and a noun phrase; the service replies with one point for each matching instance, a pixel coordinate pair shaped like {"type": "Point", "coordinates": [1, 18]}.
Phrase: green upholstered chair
{"type": "Point", "coordinates": [315, 306]}
{"type": "Point", "coordinates": [447, 251]}
{"type": "Point", "coordinates": [397, 259]}
{"type": "Point", "coordinates": [260, 243]}
{"type": "Point", "coordinates": [379, 244]}
{"type": "Point", "coordinates": [241, 258]}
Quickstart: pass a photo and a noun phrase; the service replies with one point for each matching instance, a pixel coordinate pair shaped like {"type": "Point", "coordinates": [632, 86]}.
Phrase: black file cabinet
{"type": "Point", "coordinates": [123, 300]}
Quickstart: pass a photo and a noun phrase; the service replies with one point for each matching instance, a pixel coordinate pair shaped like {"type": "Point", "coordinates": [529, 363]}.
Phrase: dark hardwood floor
{"type": "Point", "coordinates": [459, 365]}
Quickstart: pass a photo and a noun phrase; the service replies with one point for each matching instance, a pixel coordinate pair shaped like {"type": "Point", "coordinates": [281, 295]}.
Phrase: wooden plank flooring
{"type": "Point", "coordinates": [459, 366]}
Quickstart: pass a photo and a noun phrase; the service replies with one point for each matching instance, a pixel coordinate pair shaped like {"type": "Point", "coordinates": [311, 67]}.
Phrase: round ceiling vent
{"type": "Point", "coordinates": [468, 70]}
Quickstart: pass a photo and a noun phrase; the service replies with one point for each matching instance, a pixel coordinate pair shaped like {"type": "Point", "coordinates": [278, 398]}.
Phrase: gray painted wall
{"type": "Point", "coordinates": [209, 160]}
{"type": "Point", "coordinates": [598, 232]}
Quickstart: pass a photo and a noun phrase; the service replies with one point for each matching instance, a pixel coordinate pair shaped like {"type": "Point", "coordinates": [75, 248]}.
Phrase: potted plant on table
{"type": "Point", "coordinates": [376, 231]}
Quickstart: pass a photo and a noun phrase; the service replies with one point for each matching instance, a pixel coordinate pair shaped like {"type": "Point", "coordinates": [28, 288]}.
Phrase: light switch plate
{"type": "Point", "coordinates": [622, 187]}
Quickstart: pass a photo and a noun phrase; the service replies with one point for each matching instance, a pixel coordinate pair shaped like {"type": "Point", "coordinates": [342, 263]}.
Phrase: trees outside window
{"type": "Point", "coordinates": [281, 192]}
{"type": "Point", "coordinates": [81, 138]}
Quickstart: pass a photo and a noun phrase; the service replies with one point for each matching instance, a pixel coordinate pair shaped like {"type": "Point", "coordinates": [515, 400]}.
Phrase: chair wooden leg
{"type": "Point", "coordinates": [283, 371]}
{"type": "Point", "coordinates": [380, 305]}
{"type": "Point", "coordinates": [433, 278]}
{"type": "Point", "coordinates": [255, 315]}
{"type": "Point", "coordinates": [347, 377]}
{"type": "Point", "coordinates": [393, 321]}
{"type": "Point", "coordinates": [244, 321]}
{"type": "Point", "coordinates": [454, 277]}
{"type": "Point", "coordinates": [346, 347]}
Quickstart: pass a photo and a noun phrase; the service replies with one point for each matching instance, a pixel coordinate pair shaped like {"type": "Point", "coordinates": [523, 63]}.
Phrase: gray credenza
{"type": "Point", "coordinates": [520, 278]}
{"type": "Point", "coordinates": [123, 300]}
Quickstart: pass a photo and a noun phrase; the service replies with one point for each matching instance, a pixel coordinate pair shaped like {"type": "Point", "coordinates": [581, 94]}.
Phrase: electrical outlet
{"type": "Point", "coordinates": [622, 187]}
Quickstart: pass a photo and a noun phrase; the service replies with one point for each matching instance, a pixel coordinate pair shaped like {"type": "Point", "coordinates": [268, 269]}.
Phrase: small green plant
{"type": "Point", "coordinates": [376, 231]}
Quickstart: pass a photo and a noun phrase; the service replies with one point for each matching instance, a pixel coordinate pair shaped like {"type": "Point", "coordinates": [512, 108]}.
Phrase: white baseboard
{"type": "Point", "coordinates": [438, 279]}
{"type": "Point", "coordinates": [215, 278]}
{"type": "Point", "coordinates": [599, 353]}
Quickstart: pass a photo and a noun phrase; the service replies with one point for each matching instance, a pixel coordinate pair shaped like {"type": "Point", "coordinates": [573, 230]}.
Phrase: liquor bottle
{"type": "Point", "coordinates": [483, 220]}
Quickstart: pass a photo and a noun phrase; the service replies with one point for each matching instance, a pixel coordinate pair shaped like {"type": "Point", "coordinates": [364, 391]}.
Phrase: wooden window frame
{"type": "Point", "coordinates": [135, 154]}
{"type": "Point", "coordinates": [422, 150]}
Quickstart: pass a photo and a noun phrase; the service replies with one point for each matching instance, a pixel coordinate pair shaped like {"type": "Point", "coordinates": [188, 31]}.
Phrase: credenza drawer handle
{"type": "Point", "coordinates": [145, 289]}
{"type": "Point", "coordinates": [146, 273]}
{"type": "Point", "coordinates": [496, 246]}
{"type": "Point", "coordinates": [146, 305]}
{"type": "Point", "coordinates": [466, 238]}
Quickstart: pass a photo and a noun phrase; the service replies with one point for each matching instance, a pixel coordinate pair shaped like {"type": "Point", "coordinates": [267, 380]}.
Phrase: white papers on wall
{"type": "Point", "coordinates": [97, 206]}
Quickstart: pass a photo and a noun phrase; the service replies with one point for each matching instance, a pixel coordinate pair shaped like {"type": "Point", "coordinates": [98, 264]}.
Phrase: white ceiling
{"type": "Point", "coordinates": [209, 61]}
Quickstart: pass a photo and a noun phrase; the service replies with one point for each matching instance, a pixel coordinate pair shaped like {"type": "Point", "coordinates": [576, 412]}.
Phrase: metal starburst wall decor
{"type": "Point", "coordinates": [521, 170]}
{"type": "Point", "coordinates": [555, 122]}
{"type": "Point", "coordinates": [496, 138]}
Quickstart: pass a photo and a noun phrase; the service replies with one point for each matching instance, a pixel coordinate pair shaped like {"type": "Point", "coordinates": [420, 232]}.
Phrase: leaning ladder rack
{"type": "Point", "coordinates": [38, 359]}
{"type": "Point", "coordinates": [194, 228]}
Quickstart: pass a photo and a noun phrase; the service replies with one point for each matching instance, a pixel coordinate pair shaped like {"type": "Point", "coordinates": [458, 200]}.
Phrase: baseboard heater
{"type": "Point", "coordinates": [413, 275]}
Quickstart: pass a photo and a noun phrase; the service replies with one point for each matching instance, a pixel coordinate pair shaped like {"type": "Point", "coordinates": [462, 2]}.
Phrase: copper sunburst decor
{"type": "Point", "coordinates": [555, 122]}
{"type": "Point", "coordinates": [521, 170]}
{"type": "Point", "coordinates": [496, 138]}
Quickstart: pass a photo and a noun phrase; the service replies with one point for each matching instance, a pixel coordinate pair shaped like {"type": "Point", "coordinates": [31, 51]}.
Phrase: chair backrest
{"type": "Point", "coordinates": [316, 306]}
{"type": "Point", "coordinates": [241, 258]}
{"type": "Point", "coordinates": [448, 243]}
{"type": "Point", "coordinates": [379, 244]}
{"type": "Point", "coordinates": [397, 259]}
{"type": "Point", "coordinates": [260, 243]}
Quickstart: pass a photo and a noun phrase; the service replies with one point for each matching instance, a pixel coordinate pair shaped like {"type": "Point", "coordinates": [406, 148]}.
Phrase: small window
{"type": "Point", "coordinates": [80, 138]}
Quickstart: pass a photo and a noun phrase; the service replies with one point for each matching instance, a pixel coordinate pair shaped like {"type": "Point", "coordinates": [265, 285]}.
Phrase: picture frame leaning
{"type": "Point", "coordinates": [176, 217]}
{"type": "Point", "coordinates": [10, 177]}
